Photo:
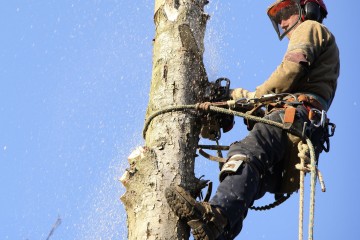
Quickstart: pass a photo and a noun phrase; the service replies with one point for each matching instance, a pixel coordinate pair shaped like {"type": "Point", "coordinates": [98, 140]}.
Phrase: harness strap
{"type": "Point", "coordinates": [289, 116]}
{"type": "Point", "coordinates": [211, 157]}
{"type": "Point", "coordinates": [307, 100]}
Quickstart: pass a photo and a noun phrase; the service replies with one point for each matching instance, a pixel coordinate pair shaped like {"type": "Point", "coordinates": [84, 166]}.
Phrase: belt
{"type": "Point", "coordinates": [307, 100]}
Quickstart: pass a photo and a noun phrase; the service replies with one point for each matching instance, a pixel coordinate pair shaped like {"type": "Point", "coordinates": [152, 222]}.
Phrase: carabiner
{"type": "Point", "coordinates": [333, 127]}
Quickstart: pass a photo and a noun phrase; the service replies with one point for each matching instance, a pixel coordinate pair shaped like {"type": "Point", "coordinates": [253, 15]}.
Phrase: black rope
{"type": "Point", "coordinates": [272, 205]}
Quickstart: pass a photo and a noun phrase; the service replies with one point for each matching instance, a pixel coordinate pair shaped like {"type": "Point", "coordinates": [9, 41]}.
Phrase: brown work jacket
{"type": "Point", "coordinates": [311, 64]}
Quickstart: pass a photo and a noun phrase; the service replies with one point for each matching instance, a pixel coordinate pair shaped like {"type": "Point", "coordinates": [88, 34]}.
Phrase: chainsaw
{"type": "Point", "coordinates": [212, 123]}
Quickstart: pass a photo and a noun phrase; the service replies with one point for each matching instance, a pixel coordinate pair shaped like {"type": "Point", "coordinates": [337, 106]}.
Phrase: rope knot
{"type": "Point", "coordinates": [304, 152]}
{"type": "Point", "coordinates": [205, 106]}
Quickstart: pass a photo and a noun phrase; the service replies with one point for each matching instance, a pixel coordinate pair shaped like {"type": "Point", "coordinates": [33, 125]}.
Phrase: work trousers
{"type": "Point", "coordinates": [265, 147]}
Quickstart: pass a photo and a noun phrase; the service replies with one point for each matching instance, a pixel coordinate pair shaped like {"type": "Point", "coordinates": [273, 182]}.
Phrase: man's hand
{"type": "Point", "coordinates": [241, 93]}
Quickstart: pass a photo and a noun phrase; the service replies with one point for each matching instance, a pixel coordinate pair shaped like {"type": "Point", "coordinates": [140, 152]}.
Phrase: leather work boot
{"type": "Point", "coordinates": [206, 221]}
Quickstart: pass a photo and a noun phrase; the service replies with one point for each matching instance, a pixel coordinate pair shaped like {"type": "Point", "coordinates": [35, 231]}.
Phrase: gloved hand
{"type": "Point", "coordinates": [241, 93]}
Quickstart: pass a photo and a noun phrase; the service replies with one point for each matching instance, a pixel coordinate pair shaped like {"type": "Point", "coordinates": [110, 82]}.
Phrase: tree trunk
{"type": "Point", "coordinates": [178, 78]}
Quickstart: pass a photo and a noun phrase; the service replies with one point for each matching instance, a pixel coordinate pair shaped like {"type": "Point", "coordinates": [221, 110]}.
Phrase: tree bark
{"type": "Point", "coordinates": [178, 78]}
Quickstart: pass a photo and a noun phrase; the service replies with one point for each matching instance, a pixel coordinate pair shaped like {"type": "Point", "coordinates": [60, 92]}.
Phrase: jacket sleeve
{"type": "Point", "coordinates": [304, 47]}
{"type": "Point", "coordinates": [283, 79]}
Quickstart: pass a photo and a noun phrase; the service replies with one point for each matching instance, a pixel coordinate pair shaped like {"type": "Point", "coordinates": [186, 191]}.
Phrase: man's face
{"type": "Point", "coordinates": [285, 24]}
{"type": "Point", "coordinates": [284, 16]}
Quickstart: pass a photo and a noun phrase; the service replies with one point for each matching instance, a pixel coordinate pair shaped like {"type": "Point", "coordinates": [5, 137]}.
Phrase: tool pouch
{"type": "Point", "coordinates": [290, 175]}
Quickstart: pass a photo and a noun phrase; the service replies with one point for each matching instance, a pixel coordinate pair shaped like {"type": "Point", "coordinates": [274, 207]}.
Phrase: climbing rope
{"type": "Point", "coordinates": [163, 111]}
{"type": "Point", "coordinates": [303, 155]}
{"type": "Point", "coordinates": [308, 164]}
{"type": "Point", "coordinates": [306, 149]}
{"type": "Point", "coordinates": [218, 110]}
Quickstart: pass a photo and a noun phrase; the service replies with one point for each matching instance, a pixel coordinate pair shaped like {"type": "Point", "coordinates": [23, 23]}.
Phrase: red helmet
{"type": "Point", "coordinates": [306, 9]}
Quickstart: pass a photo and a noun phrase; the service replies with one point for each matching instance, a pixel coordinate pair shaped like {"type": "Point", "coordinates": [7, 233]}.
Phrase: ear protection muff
{"type": "Point", "coordinates": [312, 11]}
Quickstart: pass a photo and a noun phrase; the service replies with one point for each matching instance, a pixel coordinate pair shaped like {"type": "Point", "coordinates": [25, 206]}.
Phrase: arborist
{"type": "Point", "coordinates": [256, 164]}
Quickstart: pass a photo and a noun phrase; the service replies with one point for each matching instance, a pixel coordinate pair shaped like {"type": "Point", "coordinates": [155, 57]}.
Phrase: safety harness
{"type": "Point", "coordinates": [252, 111]}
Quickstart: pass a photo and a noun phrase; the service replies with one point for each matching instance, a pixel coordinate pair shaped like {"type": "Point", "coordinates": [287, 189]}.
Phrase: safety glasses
{"type": "Point", "coordinates": [283, 10]}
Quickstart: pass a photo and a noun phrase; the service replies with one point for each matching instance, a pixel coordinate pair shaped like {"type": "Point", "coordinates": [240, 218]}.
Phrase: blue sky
{"type": "Point", "coordinates": [74, 82]}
